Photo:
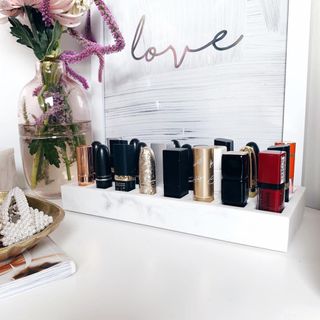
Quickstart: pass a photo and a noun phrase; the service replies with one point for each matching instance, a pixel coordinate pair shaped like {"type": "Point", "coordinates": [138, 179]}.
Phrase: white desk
{"type": "Point", "coordinates": [131, 272]}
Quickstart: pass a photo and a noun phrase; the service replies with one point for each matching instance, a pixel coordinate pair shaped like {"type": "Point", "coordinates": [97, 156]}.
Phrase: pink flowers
{"type": "Point", "coordinates": [67, 12]}
{"type": "Point", "coordinates": [13, 8]}
{"type": "Point", "coordinates": [59, 16]}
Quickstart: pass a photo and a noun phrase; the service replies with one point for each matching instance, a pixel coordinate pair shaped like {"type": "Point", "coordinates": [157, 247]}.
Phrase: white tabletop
{"type": "Point", "coordinates": [132, 272]}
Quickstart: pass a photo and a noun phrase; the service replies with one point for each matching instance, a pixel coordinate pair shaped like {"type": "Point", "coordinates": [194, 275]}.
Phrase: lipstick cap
{"type": "Point", "coordinates": [217, 181]}
{"type": "Point", "coordinates": [124, 160]}
{"type": "Point", "coordinates": [147, 171]}
{"type": "Point", "coordinates": [134, 143]}
{"type": "Point", "coordinates": [218, 152]}
{"type": "Point", "coordinates": [95, 145]}
{"type": "Point", "coordinates": [235, 165]}
{"type": "Point", "coordinates": [84, 165]}
{"type": "Point", "coordinates": [175, 172]}
{"type": "Point", "coordinates": [292, 161]}
{"type": "Point", "coordinates": [224, 142]}
{"type": "Point", "coordinates": [203, 173]}
{"type": "Point", "coordinates": [190, 164]}
{"type": "Point", "coordinates": [286, 149]}
{"type": "Point", "coordinates": [158, 154]}
{"type": "Point", "coordinates": [112, 143]}
{"type": "Point", "coordinates": [253, 169]}
{"type": "Point", "coordinates": [176, 143]}
{"type": "Point", "coordinates": [103, 168]}
{"type": "Point", "coordinates": [272, 168]}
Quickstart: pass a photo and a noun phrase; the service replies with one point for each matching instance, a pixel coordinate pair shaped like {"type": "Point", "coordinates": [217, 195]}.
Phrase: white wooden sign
{"type": "Point", "coordinates": [196, 70]}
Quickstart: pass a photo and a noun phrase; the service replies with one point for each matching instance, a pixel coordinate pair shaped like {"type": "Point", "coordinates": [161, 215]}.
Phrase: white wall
{"type": "Point", "coordinates": [312, 142]}
{"type": "Point", "coordinates": [16, 69]}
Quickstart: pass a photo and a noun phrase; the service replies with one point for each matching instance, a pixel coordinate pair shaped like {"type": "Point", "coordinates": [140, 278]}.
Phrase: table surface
{"type": "Point", "coordinates": [132, 272]}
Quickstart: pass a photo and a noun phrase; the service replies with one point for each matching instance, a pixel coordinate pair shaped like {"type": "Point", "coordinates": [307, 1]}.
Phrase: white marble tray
{"type": "Point", "coordinates": [246, 226]}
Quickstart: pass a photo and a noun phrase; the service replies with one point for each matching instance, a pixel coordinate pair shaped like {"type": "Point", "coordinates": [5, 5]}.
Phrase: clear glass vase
{"type": "Point", "coordinates": [54, 119]}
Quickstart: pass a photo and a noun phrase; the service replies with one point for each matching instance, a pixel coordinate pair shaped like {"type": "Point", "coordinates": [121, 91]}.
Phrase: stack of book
{"type": "Point", "coordinates": [42, 264]}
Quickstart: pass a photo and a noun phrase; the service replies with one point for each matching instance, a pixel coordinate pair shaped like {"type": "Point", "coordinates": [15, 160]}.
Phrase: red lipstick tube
{"type": "Point", "coordinates": [271, 180]}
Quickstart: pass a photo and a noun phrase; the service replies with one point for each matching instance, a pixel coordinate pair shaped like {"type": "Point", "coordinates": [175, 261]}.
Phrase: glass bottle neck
{"type": "Point", "coordinates": [50, 72]}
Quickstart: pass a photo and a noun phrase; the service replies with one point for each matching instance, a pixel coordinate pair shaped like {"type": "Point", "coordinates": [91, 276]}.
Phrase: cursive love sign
{"type": "Point", "coordinates": [197, 70]}
{"type": "Point", "coordinates": [152, 52]}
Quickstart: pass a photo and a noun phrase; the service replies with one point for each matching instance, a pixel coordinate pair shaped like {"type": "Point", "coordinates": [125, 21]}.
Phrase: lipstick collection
{"type": "Point", "coordinates": [209, 171]}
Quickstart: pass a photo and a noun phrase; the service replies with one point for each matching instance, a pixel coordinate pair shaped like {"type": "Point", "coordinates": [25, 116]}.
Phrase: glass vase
{"type": "Point", "coordinates": [54, 119]}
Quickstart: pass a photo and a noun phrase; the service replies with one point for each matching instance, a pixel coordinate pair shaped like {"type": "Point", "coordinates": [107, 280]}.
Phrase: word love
{"type": "Point", "coordinates": [152, 52]}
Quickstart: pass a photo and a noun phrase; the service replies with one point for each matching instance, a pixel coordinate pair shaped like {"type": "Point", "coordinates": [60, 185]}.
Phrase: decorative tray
{"type": "Point", "coordinates": [50, 209]}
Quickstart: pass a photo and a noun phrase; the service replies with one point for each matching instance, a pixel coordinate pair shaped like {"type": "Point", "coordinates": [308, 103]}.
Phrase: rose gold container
{"type": "Point", "coordinates": [85, 165]}
{"type": "Point", "coordinates": [203, 173]}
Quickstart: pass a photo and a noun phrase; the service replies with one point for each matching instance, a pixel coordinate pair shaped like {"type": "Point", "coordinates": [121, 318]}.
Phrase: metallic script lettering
{"type": "Point", "coordinates": [152, 53]}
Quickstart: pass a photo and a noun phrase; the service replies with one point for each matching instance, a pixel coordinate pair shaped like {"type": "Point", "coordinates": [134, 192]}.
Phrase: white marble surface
{"type": "Point", "coordinates": [240, 225]}
{"type": "Point", "coordinates": [130, 272]}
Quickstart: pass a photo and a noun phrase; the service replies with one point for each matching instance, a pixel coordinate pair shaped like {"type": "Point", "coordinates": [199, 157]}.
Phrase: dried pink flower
{"type": "Point", "coordinates": [67, 12]}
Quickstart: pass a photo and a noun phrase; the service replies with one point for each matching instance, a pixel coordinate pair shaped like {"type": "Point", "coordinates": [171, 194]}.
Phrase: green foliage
{"type": "Point", "coordinates": [41, 39]}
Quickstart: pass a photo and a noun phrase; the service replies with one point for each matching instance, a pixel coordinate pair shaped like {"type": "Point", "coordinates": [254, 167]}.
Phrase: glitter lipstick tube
{"type": "Point", "coordinates": [147, 172]}
{"type": "Point", "coordinates": [271, 180]}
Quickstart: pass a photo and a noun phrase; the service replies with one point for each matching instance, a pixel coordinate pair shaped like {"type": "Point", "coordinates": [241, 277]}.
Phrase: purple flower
{"type": "Point", "coordinates": [58, 110]}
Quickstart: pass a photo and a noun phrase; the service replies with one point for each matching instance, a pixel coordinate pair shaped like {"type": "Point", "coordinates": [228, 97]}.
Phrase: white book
{"type": "Point", "coordinates": [43, 263]}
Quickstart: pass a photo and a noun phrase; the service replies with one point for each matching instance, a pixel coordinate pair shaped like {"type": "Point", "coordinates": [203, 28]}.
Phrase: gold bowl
{"type": "Point", "coordinates": [50, 209]}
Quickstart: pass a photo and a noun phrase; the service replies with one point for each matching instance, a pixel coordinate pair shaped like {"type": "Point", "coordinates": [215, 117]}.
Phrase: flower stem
{"type": "Point", "coordinates": [67, 163]}
{"type": "Point", "coordinates": [68, 170]}
{"type": "Point", "coordinates": [35, 168]}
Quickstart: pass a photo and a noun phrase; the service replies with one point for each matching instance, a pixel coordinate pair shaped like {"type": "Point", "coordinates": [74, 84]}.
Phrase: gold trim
{"type": "Point", "coordinates": [124, 178]}
{"type": "Point", "coordinates": [253, 178]}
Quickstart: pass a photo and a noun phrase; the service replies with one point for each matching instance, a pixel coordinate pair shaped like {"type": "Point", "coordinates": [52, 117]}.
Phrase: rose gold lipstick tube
{"type": "Point", "coordinates": [85, 165]}
{"type": "Point", "coordinates": [203, 173]}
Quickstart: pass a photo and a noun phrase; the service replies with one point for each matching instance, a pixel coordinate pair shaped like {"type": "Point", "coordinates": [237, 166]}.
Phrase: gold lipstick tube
{"type": "Point", "coordinates": [253, 170]}
{"type": "Point", "coordinates": [85, 165]}
{"type": "Point", "coordinates": [203, 173]}
{"type": "Point", "coordinates": [147, 171]}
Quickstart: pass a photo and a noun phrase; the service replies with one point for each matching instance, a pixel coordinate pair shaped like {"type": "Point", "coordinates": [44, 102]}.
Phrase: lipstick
{"type": "Point", "coordinates": [235, 178]}
{"type": "Point", "coordinates": [271, 180]}
{"type": "Point", "coordinates": [203, 173]}
{"type": "Point", "coordinates": [112, 143]}
{"type": "Point", "coordinates": [140, 146]}
{"type": "Point", "coordinates": [218, 152]}
{"type": "Point", "coordinates": [158, 154]}
{"type": "Point", "coordinates": [147, 171]}
{"type": "Point", "coordinates": [252, 171]}
{"type": "Point", "coordinates": [292, 162]}
{"type": "Point", "coordinates": [95, 146]}
{"type": "Point", "coordinates": [85, 165]}
{"type": "Point", "coordinates": [175, 172]}
{"type": "Point", "coordinates": [124, 167]}
{"type": "Point", "coordinates": [103, 168]}
{"type": "Point", "coordinates": [135, 143]}
{"type": "Point", "coordinates": [190, 164]}
{"type": "Point", "coordinates": [286, 149]}
{"type": "Point", "coordinates": [224, 142]}
{"type": "Point", "coordinates": [176, 143]}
